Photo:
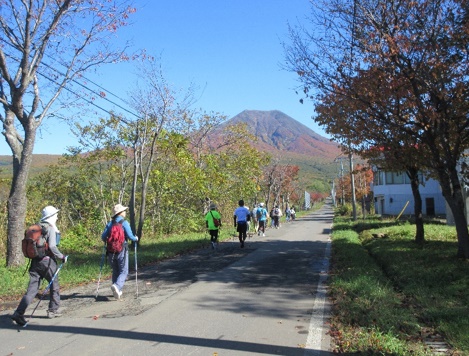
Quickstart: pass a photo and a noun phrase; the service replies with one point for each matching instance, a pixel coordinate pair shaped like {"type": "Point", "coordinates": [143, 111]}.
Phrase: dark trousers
{"type": "Point", "coordinates": [276, 219]}
{"type": "Point", "coordinates": [262, 225]}
{"type": "Point", "coordinates": [39, 270]}
{"type": "Point", "coordinates": [213, 235]}
{"type": "Point", "coordinates": [242, 228]}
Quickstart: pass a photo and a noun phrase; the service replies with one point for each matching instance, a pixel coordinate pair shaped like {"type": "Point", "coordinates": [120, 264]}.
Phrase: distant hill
{"type": "Point", "coordinates": [279, 132]}
{"type": "Point", "coordinates": [40, 162]}
{"type": "Point", "coordinates": [291, 142]}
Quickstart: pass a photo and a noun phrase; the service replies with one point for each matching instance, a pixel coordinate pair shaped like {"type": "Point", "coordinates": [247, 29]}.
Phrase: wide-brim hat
{"type": "Point", "coordinates": [118, 208]}
{"type": "Point", "coordinates": [49, 211]}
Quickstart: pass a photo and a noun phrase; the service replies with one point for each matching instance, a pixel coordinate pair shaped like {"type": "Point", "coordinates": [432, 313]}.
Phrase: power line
{"type": "Point", "coordinates": [80, 84]}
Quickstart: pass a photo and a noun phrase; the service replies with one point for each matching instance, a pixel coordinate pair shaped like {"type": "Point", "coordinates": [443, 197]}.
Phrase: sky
{"type": "Point", "coordinates": [230, 49]}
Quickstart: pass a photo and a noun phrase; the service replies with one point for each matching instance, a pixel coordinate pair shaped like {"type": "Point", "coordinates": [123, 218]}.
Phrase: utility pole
{"type": "Point", "coordinates": [341, 177]}
{"type": "Point", "coordinates": [352, 180]}
{"type": "Point", "coordinates": [333, 192]}
{"type": "Point", "coordinates": [352, 183]}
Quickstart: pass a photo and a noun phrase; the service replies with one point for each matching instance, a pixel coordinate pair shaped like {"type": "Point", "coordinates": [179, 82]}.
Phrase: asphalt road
{"type": "Point", "coordinates": [268, 298]}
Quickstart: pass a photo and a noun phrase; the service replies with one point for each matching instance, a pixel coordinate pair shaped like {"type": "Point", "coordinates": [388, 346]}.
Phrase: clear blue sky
{"type": "Point", "coordinates": [229, 48]}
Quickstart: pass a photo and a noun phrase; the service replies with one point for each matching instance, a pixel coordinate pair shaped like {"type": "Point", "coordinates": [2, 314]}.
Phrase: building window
{"type": "Point", "coordinates": [381, 178]}
{"type": "Point", "coordinates": [395, 178]}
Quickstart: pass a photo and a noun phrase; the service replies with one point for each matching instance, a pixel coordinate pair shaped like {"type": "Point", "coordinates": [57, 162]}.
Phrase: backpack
{"type": "Point", "coordinates": [276, 212]}
{"type": "Point", "coordinates": [116, 237]}
{"type": "Point", "coordinates": [34, 244]}
{"type": "Point", "coordinates": [216, 221]}
{"type": "Point", "coordinates": [259, 213]}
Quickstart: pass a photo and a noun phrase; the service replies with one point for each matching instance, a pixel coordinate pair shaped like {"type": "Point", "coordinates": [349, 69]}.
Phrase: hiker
{"type": "Point", "coordinates": [271, 215]}
{"type": "Point", "coordinates": [277, 213]}
{"type": "Point", "coordinates": [292, 213]}
{"type": "Point", "coordinates": [213, 223]}
{"type": "Point", "coordinates": [287, 214]}
{"type": "Point", "coordinates": [262, 218]}
{"type": "Point", "coordinates": [241, 217]}
{"type": "Point", "coordinates": [254, 218]}
{"type": "Point", "coordinates": [119, 261]}
{"type": "Point", "coordinates": [44, 268]}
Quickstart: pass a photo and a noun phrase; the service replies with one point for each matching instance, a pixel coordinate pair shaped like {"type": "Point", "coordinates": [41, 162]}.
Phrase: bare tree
{"type": "Point", "coordinates": [44, 46]}
{"type": "Point", "coordinates": [161, 110]}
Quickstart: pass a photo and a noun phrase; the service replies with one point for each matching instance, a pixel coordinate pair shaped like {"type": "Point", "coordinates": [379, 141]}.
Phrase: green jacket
{"type": "Point", "coordinates": [209, 219]}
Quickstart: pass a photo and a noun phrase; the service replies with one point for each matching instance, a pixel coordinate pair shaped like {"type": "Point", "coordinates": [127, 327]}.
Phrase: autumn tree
{"type": "Point", "coordinates": [414, 48]}
{"type": "Point", "coordinates": [44, 46]}
{"type": "Point", "coordinates": [372, 133]}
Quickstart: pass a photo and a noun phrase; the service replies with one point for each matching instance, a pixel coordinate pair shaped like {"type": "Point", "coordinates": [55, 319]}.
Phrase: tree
{"type": "Point", "coordinates": [414, 48]}
{"type": "Point", "coordinates": [347, 117]}
{"type": "Point", "coordinates": [159, 111]}
{"type": "Point", "coordinates": [37, 38]}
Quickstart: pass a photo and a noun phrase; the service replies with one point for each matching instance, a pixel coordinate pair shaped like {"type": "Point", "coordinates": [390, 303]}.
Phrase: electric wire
{"type": "Point", "coordinates": [78, 83]}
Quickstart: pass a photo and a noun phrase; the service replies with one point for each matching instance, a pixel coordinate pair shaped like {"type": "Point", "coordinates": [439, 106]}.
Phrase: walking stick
{"type": "Point", "coordinates": [136, 282]}
{"type": "Point", "coordinates": [101, 269]}
{"type": "Point", "coordinates": [44, 293]}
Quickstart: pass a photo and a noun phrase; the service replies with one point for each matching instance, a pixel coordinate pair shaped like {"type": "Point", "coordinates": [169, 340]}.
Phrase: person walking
{"type": "Point", "coordinates": [287, 214]}
{"type": "Point", "coordinates": [271, 215]}
{"type": "Point", "coordinates": [277, 213]}
{"type": "Point", "coordinates": [119, 261]}
{"type": "Point", "coordinates": [44, 268]}
{"type": "Point", "coordinates": [254, 218]}
{"type": "Point", "coordinates": [262, 218]}
{"type": "Point", "coordinates": [213, 223]}
{"type": "Point", "coordinates": [241, 217]}
{"type": "Point", "coordinates": [293, 213]}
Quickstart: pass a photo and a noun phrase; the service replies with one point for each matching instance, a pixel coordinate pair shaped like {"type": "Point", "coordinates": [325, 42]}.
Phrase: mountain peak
{"type": "Point", "coordinates": [278, 131]}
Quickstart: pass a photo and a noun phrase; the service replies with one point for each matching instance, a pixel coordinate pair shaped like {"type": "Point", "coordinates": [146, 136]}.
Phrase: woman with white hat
{"type": "Point", "coordinates": [44, 268]}
{"type": "Point", "coordinates": [119, 261]}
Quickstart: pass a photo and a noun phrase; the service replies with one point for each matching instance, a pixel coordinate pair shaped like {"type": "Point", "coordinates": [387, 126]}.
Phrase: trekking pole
{"type": "Point", "coordinates": [101, 269]}
{"type": "Point", "coordinates": [136, 282]}
{"type": "Point", "coordinates": [44, 293]}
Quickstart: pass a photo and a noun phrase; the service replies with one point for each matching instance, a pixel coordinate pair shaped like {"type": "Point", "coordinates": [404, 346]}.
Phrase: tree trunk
{"type": "Point", "coordinates": [132, 200]}
{"type": "Point", "coordinates": [414, 183]}
{"type": "Point", "coordinates": [17, 201]}
{"type": "Point", "coordinates": [451, 189]}
{"type": "Point", "coordinates": [141, 215]}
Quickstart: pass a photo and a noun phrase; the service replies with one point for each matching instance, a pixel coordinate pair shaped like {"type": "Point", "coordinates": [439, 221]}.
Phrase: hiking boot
{"type": "Point", "coordinates": [18, 319]}
{"type": "Point", "coordinates": [258, 233]}
{"type": "Point", "coordinates": [263, 235]}
{"type": "Point", "coordinates": [51, 314]}
{"type": "Point", "coordinates": [116, 292]}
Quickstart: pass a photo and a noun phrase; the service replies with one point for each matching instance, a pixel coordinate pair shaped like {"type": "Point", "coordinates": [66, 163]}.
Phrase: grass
{"type": "Point", "coordinates": [389, 292]}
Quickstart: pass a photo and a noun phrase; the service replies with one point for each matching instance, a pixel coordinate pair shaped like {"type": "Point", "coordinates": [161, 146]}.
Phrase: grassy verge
{"type": "Point", "coordinates": [390, 294]}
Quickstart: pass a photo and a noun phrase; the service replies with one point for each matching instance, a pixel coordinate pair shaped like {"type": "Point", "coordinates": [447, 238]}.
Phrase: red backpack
{"type": "Point", "coordinates": [116, 238]}
{"type": "Point", "coordinates": [34, 244]}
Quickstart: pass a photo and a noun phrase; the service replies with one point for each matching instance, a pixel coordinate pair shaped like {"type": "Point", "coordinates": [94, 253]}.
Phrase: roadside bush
{"type": "Point", "coordinates": [343, 210]}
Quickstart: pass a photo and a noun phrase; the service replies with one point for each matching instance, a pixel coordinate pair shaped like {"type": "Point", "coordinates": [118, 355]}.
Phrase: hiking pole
{"type": "Point", "coordinates": [135, 250]}
{"type": "Point", "coordinates": [44, 293]}
{"type": "Point", "coordinates": [101, 269]}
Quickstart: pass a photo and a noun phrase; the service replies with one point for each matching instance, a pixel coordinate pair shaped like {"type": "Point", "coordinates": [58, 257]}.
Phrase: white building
{"type": "Point", "coordinates": [393, 195]}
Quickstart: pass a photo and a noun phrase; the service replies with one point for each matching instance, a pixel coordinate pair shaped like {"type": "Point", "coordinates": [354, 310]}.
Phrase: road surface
{"type": "Point", "coordinates": [268, 298]}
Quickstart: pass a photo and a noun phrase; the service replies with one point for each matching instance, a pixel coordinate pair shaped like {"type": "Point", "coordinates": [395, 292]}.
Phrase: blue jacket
{"type": "Point", "coordinates": [125, 225]}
